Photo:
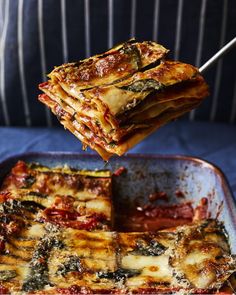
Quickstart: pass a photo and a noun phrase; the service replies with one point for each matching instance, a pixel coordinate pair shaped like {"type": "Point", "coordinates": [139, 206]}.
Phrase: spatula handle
{"type": "Point", "coordinates": [218, 55]}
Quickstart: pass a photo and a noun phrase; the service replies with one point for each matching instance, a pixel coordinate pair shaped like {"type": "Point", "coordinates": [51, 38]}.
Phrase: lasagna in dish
{"type": "Point", "coordinates": [53, 241]}
{"type": "Point", "coordinates": [78, 199]}
{"type": "Point", "coordinates": [114, 100]}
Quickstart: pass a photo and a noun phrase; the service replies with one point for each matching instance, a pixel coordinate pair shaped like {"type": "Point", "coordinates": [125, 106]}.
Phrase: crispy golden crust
{"type": "Point", "coordinates": [115, 64]}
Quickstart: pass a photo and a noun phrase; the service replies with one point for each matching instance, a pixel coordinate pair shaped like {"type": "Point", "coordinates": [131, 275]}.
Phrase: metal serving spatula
{"type": "Point", "coordinates": [230, 45]}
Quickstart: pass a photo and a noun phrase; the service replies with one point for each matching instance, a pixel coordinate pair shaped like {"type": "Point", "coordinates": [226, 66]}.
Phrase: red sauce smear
{"type": "Point", "coordinates": [158, 196]}
{"type": "Point", "coordinates": [67, 218]}
{"type": "Point", "coordinates": [18, 175]}
{"type": "Point", "coordinates": [43, 85]}
{"type": "Point", "coordinates": [151, 217]}
{"type": "Point", "coordinates": [4, 290]}
{"type": "Point", "coordinates": [54, 213]}
{"type": "Point", "coordinates": [5, 196]}
{"type": "Point", "coordinates": [76, 290]}
{"type": "Point", "coordinates": [2, 246]}
{"type": "Point", "coordinates": [179, 194]}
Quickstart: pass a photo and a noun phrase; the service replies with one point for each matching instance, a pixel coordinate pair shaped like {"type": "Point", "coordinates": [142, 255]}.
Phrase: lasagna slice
{"type": "Point", "coordinates": [20, 234]}
{"type": "Point", "coordinates": [71, 198]}
{"type": "Point", "coordinates": [191, 259]}
{"type": "Point", "coordinates": [112, 106]}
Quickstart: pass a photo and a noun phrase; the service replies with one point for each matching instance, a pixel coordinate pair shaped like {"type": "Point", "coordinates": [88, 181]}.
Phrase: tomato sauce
{"type": "Point", "coordinates": [151, 217]}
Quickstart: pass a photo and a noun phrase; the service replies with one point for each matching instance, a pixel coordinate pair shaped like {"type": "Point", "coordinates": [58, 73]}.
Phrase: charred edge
{"type": "Point", "coordinates": [32, 206]}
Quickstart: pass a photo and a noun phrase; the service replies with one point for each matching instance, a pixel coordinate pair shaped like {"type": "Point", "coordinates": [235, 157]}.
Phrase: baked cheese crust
{"type": "Point", "coordinates": [71, 261]}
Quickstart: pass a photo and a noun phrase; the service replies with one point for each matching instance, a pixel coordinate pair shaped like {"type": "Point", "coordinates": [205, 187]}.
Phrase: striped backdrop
{"type": "Point", "coordinates": [36, 35]}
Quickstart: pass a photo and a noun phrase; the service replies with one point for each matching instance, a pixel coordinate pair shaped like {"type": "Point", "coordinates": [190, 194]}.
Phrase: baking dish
{"type": "Point", "coordinates": [145, 174]}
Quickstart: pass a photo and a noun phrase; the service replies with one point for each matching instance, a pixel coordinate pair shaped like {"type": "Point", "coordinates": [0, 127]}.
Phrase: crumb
{"type": "Point", "coordinates": [158, 196]}
{"type": "Point", "coordinates": [119, 171]}
{"type": "Point", "coordinates": [179, 194]}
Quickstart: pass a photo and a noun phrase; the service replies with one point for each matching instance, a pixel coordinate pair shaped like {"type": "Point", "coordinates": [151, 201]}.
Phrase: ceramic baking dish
{"type": "Point", "coordinates": [195, 178]}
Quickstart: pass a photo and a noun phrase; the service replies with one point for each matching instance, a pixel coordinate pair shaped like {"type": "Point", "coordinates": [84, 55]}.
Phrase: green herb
{"type": "Point", "coordinates": [6, 275]}
{"type": "Point", "coordinates": [97, 123]}
{"type": "Point", "coordinates": [29, 181]}
{"type": "Point", "coordinates": [112, 144]}
{"type": "Point", "coordinates": [119, 274]}
{"type": "Point", "coordinates": [131, 49]}
{"type": "Point", "coordinates": [37, 194]}
{"type": "Point", "coordinates": [10, 207]}
{"type": "Point", "coordinates": [32, 206]}
{"type": "Point", "coordinates": [38, 276]}
{"type": "Point", "coordinates": [73, 263]}
{"type": "Point", "coordinates": [143, 85]}
{"type": "Point", "coordinates": [35, 166]}
{"type": "Point", "coordinates": [152, 249]}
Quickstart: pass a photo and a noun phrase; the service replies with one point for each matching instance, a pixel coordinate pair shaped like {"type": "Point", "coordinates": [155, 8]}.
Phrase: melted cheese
{"type": "Point", "coordinates": [36, 231]}
{"type": "Point", "coordinates": [167, 74]}
{"type": "Point", "coordinates": [100, 206]}
{"type": "Point", "coordinates": [156, 267]}
{"type": "Point", "coordinates": [97, 245]}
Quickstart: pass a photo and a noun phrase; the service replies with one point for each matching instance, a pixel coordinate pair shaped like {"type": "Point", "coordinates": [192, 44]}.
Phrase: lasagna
{"type": "Point", "coordinates": [114, 100]}
{"type": "Point", "coordinates": [65, 197]}
{"type": "Point", "coordinates": [53, 242]}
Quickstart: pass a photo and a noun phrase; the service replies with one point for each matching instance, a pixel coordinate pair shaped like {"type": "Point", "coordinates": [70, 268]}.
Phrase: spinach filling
{"type": "Point", "coordinates": [38, 277]}
{"type": "Point", "coordinates": [6, 275]}
{"type": "Point", "coordinates": [29, 181]}
{"type": "Point", "coordinates": [152, 249]}
{"type": "Point", "coordinates": [11, 207]}
{"type": "Point", "coordinates": [73, 263]}
{"type": "Point", "coordinates": [143, 85]}
{"type": "Point", "coordinates": [16, 207]}
{"type": "Point", "coordinates": [38, 194]}
{"type": "Point", "coordinates": [32, 206]}
{"type": "Point", "coordinates": [119, 274]}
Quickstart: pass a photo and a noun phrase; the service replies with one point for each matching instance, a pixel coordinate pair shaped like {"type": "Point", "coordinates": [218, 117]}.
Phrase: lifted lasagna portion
{"type": "Point", "coordinates": [113, 101]}
{"type": "Point", "coordinates": [70, 198]}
